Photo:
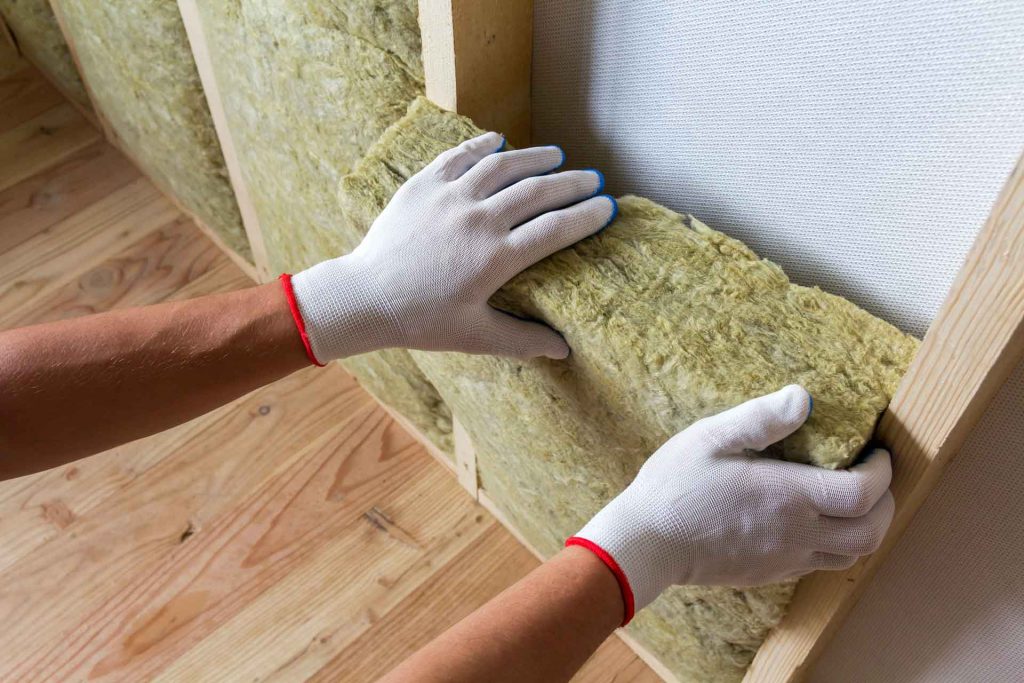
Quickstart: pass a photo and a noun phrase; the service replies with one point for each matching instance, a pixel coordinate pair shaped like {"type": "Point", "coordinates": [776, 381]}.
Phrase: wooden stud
{"type": "Point", "coordinates": [476, 59]}
{"type": "Point", "coordinates": [975, 342]}
{"type": "Point", "coordinates": [465, 459]}
{"type": "Point", "coordinates": [204, 64]}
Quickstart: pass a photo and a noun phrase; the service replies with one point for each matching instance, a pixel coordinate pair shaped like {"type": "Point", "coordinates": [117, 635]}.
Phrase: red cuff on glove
{"type": "Point", "coordinates": [293, 306]}
{"type": "Point", "coordinates": [620, 576]}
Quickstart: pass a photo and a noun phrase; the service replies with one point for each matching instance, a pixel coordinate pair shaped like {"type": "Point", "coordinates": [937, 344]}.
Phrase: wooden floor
{"type": "Point", "coordinates": [297, 533]}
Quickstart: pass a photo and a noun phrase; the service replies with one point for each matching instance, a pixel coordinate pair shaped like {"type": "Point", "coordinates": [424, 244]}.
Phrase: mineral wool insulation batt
{"type": "Point", "coordinates": [669, 321]}
{"type": "Point", "coordinates": [307, 88]}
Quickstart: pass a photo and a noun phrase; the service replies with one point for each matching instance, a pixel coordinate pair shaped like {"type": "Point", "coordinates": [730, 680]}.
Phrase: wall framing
{"type": "Point", "coordinates": [477, 57]}
{"type": "Point", "coordinates": [111, 136]}
{"type": "Point", "coordinates": [201, 53]}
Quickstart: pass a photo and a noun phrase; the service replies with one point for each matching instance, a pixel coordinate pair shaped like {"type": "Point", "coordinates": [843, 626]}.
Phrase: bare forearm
{"type": "Point", "coordinates": [541, 629]}
{"type": "Point", "coordinates": [76, 387]}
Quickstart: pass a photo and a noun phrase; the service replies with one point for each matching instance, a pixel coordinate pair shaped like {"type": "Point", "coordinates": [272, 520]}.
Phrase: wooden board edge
{"type": "Point", "coordinates": [465, 459]}
{"type": "Point", "coordinates": [100, 118]}
{"type": "Point", "coordinates": [477, 57]}
{"type": "Point", "coordinates": [204, 65]}
{"type": "Point", "coordinates": [647, 657]}
{"type": "Point", "coordinates": [971, 348]}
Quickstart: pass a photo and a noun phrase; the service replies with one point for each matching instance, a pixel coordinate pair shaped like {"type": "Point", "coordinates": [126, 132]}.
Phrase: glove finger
{"type": "Point", "coordinates": [857, 535]}
{"type": "Point", "coordinates": [556, 230]}
{"type": "Point", "coordinates": [507, 335]}
{"type": "Point", "coordinates": [853, 492]}
{"type": "Point", "coordinates": [498, 171]}
{"type": "Point", "coordinates": [530, 198]}
{"type": "Point", "coordinates": [452, 164]}
{"type": "Point", "coordinates": [832, 561]}
{"type": "Point", "coordinates": [758, 423]}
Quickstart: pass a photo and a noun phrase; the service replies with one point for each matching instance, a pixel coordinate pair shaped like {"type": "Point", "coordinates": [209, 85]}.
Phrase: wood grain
{"type": "Point", "coordinates": [37, 143]}
{"type": "Point", "coordinates": [56, 256]}
{"type": "Point", "coordinates": [65, 188]}
{"type": "Point", "coordinates": [477, 56]}
{"type": "Point", "coordinates": [25, 95]}
{"type": "Point", "coordinates": [974, 343]}
{"type": "Point", "coordinates": [147, 271]}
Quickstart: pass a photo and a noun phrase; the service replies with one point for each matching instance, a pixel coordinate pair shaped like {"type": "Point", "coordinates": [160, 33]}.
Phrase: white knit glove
{"type": "Point", "coordinates": [702, 511]}
{"type": "Point", "coordinates": [450, 237]}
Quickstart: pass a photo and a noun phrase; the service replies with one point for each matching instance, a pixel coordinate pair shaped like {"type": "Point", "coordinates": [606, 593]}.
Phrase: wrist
{"type": "Point", "coordinates": [643, 554]}
{"type": "Point", "coordinates": [580, 545]}
{"type": "Point", "coordinates": [342, 310]}
{"type": "Point", "coordinates": [598, 588]}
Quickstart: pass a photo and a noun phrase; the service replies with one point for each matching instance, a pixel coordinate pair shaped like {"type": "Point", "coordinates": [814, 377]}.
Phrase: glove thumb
{"type": "Point", "coordinates": [759, 422]}
{"type": "Point", "coordinates": [510, 336]}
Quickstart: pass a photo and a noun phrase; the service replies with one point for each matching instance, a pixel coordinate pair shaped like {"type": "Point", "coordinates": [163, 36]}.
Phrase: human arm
{"type": "Point", "coordinates": [543, 628]}
{"type": "Point", "coordinates": [75, 387]}
{"type": "Point", "coordinates": [702, 510]}
{"type": "Point", "coordinates": [451, 236]}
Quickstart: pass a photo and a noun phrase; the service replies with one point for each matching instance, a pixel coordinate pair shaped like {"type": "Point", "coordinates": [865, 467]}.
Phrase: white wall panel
{"type": "Point", "coordinates": [859, 144]}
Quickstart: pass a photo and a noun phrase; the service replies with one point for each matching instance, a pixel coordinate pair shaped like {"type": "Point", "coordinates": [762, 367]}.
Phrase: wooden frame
{"type": "Point", "coordinates": [477, 56]}
{"type": "Point", "coordinates": [111, 135]}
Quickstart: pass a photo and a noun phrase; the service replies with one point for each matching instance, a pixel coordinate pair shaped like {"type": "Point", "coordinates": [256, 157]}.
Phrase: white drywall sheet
{"type": "Point", "coordinates": [859, 144]}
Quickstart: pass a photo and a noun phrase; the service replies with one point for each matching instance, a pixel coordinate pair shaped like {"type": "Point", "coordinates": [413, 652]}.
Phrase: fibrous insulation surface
{"type": "Point", "coordinates": [136, 57]}
{"type": "Point", "coordinates": [38, 35]}
{"type": "Point", "coordinates": [668, 321]}
{"type": "Point", "coordinates": [307, 88]}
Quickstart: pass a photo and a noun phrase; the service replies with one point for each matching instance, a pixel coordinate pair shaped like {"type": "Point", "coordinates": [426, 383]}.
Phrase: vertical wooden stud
{"type": "Point", "coordinates": [476, 57]}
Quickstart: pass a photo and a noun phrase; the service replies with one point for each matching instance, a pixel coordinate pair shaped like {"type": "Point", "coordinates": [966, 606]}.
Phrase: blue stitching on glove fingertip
{"type": "Point", "coordinates": [600, 180]}
{"type": "Point", "coordinates": [615, 210]}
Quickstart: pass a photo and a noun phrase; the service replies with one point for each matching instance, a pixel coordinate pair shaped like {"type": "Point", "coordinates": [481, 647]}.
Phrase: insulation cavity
{"type": "Point", "coordinates": [669, 321]}
{"type": "Point", "coordinates": [136, 58]}
{"type": "Point", "coordinates": [39, 37]}
{"type": "Point", "coordinates": [307, 88]}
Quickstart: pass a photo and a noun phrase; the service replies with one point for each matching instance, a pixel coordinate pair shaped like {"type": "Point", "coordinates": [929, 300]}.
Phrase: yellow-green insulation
{"type": "Point", "coordinates": [136, 57]}
{"type": "Point", "coordinates": [668, 321]}
{"type": "Point", "coordinates": [39, 37]}
{"type": "Point", "coordinates": [307, 88]}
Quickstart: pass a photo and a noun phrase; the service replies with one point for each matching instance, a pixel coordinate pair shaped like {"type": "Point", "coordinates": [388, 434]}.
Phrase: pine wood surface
{"type": "Point", "coordinates": [297, 533]}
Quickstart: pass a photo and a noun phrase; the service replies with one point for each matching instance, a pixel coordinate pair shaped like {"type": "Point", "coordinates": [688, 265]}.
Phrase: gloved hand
{"type": "Point", "coordinates": [702, 511]}
{"type": "Point", "coordinates": [450, 237]}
